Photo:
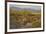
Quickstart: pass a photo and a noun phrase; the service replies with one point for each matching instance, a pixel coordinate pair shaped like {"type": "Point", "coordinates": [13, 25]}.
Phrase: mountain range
{"type": "Point", "coordinates": [28, 9]}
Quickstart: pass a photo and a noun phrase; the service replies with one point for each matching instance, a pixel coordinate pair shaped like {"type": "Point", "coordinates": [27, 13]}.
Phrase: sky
{"type": "Point", "coordinates": [26, 6]}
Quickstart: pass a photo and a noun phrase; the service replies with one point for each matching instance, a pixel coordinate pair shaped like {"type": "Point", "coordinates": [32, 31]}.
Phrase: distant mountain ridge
{"type": "Point", "coordinates": [28, 9]}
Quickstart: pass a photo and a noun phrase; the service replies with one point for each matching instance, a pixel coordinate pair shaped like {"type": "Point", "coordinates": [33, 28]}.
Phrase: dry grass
{"type": "Point", "coordinates": [21, 19]}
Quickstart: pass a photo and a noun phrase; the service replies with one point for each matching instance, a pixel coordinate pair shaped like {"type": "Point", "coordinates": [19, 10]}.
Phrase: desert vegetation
{"type": "Point", "coordinates": [24, 19]}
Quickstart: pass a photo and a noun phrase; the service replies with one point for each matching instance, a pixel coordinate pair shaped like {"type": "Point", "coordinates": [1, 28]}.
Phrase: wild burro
{"type": "Point", "coordinates": [23, 21]}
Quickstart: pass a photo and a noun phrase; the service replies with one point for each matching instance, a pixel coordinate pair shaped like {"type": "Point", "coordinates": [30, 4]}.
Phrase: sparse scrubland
{"type": "Point", "coordinates": [24, 19]}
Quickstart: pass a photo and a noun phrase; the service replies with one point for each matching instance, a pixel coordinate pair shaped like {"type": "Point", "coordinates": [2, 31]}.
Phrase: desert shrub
{"type": "Point", "coordinates": [24, 19]}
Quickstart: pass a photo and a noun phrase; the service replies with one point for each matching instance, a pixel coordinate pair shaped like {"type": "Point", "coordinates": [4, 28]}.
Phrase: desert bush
{"type": "Point", "coordinates": [24, 19]}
